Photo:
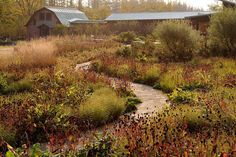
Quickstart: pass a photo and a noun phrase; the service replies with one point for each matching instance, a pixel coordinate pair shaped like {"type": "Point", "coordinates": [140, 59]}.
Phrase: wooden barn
{"type": "Point", "coordinates": [45, 19]}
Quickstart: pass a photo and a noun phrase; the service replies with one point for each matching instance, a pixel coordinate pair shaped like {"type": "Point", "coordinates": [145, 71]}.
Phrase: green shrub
{"type": "Point", "coordinates": [157, 85]}
{"type": "Point", "coordinates": [123, 70]}
{"type": "Point", "coordinates": [170, 80]}
{"type": "Point", "coordinates": [224, 67]}
{"type": "Point", "coordinates": [178, 96]}
{"type": "Point", "coordinates": [146, 48]}
{"type": "Point", "coordinates": [131, 104]}
{"type": "Point", "coordinates": [102, 146]}
{"type": "Point", "coordinates": [21, 86]}
{"type": "Point", "coordinates": [222, 33]}
{"type": "Point", "coordinates": [97, 66]}
{"type": "Point", "coordinates": [7, 135]}
{"type": "Point", "coordinates": [127, 37]}
{"type": "Point", "coordinates": [6, 86]}
{"type": "Point", "coordinates": [195, 85]}
{"type": "Point", "coordinates": [3, 84]}
{"type": "Point", "coordinates": [124, 51]}
{"type": "Point", "coordinates": [104, 105]}
{"type": "Point", "coordinates": [179, 41]}
{"type": "Point", "coordinates": [195, 117]}
{"type": "Point", "coordinates": [150, 76]}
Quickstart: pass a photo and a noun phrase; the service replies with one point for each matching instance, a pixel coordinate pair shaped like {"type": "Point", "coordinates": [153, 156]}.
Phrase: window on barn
{"type": "Point", "coordinates": [48, 16]}
{"type": "Point", "coordinates": [41, 16]}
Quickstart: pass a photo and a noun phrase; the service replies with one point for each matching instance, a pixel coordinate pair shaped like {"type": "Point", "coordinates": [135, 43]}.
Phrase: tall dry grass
{"type": "Point", "coordinates": [32, 54]}
{"type": "Point", "coordinates": [44, 52]}
{"type": "Point", "coordinates": [67, 44]}
{"type": "Point", "coordinates": [36, 53]}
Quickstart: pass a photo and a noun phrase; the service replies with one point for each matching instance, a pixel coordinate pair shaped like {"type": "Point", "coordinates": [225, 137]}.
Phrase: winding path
{"type": "Point", "coordinates": [152, 100]}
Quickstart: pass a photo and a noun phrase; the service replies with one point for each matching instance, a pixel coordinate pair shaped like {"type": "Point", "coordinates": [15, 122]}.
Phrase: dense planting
{"type": "Point", "coordinates": [41, 94]}
{"type": "Point", "coordinates": [87, 113]}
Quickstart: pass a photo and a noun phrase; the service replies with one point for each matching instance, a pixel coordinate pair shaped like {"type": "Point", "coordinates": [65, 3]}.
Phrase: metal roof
{"type": "Point", "coordinates": [152, 16]}
{"type": "Point", "coordinates": [65, 15]}
{"type": "Point", "coordinates": [227, 1]}
{"type": "Point", "coordinates": [201, 15]}
{"type": "Point", "coordinates": [80, 21]}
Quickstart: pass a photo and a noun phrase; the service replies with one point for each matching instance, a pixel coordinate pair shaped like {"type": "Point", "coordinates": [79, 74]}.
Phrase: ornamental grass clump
{"type": "Point", "coordinates": [104, 105]}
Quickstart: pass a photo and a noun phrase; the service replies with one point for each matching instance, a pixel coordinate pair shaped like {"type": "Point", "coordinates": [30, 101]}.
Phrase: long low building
{"type": "Point", "coordinates": [152, 16]}
{"type": "Point", "coordinates": [147, 18]}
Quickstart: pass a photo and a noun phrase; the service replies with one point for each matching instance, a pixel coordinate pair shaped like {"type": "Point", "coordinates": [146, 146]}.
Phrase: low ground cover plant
{"type": "Point", "coordinates": [126, 37]}
{"type": "Point", "coordinates": [131, 104]}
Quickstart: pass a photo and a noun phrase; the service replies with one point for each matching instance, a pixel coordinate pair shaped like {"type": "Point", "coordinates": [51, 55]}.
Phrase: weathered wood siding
{"type": "Point", "coordinates": [33, 26]}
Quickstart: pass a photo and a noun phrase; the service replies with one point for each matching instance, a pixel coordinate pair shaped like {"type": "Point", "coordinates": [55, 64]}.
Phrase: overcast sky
{"type": "Point", "coordinates": [198, 3]}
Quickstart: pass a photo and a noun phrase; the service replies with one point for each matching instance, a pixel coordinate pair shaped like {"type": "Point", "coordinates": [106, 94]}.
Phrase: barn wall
{"type": "Point", "coordinates": [140, 27]}
{"type": "Point", "coordinates": [147, 27]}
{"type": "Point", "coordinates": [201, 24]}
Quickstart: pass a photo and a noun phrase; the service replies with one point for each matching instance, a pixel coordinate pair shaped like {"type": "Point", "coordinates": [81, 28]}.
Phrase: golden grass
{"type": "Point", "coordinates": [32, 54]}
{"type": "Point", "coordinates": [102, 106]}
{"type": "Point", "coordinates": [37, 53]}
{"type": "Point", "coordinates": [80, 43]}
{"type": "Point", "coordinates": [45, 52]}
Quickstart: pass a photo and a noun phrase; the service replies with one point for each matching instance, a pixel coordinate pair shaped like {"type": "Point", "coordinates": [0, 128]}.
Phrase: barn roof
{"type": "Point", "coordinates": [202, 15]}
{"type": "Point", "coordinates": [65, 15]}
{"type": "Point", "coordinates": [79, 21]}
{"type": "Point", "coordinates": [152, 16]}
{"type": "Point", "coordinates": [228, 2]}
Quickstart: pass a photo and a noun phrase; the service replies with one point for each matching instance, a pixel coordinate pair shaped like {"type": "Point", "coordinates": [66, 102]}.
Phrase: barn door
{"type": "Point", "coordinates": [43, 30]}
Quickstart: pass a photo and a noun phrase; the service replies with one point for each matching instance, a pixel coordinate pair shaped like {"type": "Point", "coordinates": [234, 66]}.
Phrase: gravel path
{"type": "Point", "coordinates": [152, 100]}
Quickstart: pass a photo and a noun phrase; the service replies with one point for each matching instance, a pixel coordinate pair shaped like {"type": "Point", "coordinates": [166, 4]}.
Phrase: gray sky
{"type": "Point", "coordinates": [198, 3]}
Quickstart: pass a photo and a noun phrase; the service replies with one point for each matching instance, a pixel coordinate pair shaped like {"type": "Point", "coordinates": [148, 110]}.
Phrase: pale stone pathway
{"type": "Point", "coordinates": [152, 100]}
